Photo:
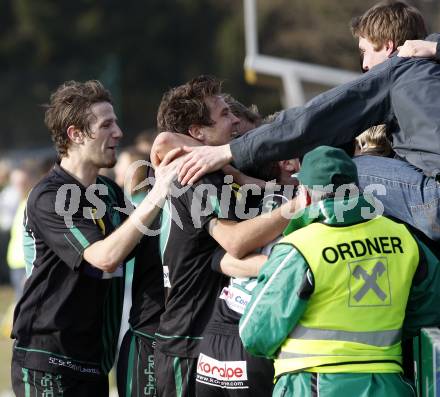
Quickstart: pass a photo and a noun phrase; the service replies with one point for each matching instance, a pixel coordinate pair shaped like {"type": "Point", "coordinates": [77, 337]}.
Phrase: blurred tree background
{"type": "Point", "coordinates": [141, 48]}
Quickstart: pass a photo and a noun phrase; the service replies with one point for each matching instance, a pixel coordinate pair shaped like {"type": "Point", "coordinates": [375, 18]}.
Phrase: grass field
{"type": "Point", "coordinates": [6, 297]}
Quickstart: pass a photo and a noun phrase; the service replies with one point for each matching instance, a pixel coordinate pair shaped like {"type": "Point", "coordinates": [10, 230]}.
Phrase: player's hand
{"type": "Point", "coordinates": [159, 148]}
{"type": "Point", "coordinates": [202, 160]}
{"type": "Point", "coordinates": [166, 172]}
{"type": "Point", "coordinates": [417, 48]}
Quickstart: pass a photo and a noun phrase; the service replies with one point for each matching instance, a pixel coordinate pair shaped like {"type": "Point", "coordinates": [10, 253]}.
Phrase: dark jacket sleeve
{"type": "Point", "coordinates": [278, 302]}
{"type": "Point", "coordinates": [332, 118]}
{"type": "Point", "coordinates": [435, 37]}
{"type": "Point", "coordinates": [423, 303]}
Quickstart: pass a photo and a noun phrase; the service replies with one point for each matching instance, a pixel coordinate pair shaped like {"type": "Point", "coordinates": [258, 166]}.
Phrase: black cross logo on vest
{"type": "Point", "coordinates": [370, 281]}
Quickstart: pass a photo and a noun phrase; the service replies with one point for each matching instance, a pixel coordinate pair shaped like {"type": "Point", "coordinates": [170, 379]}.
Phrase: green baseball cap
{"type": "Point", "coordinates": [327, 165]}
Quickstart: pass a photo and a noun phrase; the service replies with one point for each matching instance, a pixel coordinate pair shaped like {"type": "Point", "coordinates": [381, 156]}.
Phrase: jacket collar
{"type": "Point", "coordinates": [331, 211]}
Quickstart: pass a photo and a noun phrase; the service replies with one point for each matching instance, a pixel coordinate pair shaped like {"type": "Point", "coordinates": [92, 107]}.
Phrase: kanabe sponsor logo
{"type": "Point", "coordinates": [221, 370]}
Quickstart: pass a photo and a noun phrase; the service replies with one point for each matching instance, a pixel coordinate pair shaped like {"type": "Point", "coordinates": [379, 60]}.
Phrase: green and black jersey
{"type": "Point", "coordinates": [231, 302]}
{"type": "Point", "coordinates": [147, 291]}
{"type": "Point", "coordinates": [186, 248]}
{"type": "Point", "coordinates": [69, 316]}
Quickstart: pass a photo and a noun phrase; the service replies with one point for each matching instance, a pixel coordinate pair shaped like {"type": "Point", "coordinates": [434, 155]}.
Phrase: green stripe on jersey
{"type": "Point", "coordinates": [165, 228]}
{"type": "Point", "coordinates": [215, 204]}
{"type": "Point", "coordinates": [79, 236]}
{"type": "Point", "coordinates": [178, 377]}
{"type": "Point", "coordinates": [29, 250]}
{"type": "Point", "coordinates": [27, 386]}
{"type": "Point", "coordinates": [55, 355]}
{"type": "Point", "coordinates": [129, 384]}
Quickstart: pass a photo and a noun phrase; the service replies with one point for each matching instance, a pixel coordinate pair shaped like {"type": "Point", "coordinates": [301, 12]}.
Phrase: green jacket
{"type": "Point", "coordinates": [280, 298]}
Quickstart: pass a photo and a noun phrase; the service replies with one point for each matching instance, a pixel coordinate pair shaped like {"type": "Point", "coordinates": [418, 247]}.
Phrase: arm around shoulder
{"type": "Point", "coordinates": [108, 253]}
{"type": "Point", "coordinates": [275, 307]}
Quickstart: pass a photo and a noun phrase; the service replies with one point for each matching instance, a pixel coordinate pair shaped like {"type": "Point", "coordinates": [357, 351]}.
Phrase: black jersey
{"type": "Point", "coordinates": [68, 318]}
{"type": "Point", "coordinates": [234, 297]}
{"type": "Point", "coordinates": [147, 290]}
{"type": "Point", "coordinates": [186, 248]}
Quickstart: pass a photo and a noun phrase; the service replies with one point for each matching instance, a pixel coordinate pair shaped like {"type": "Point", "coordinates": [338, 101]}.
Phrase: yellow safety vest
{"type": "Point", "coordinates": [362, 276]}
{"type": "Point", "coordinates": [15, 255]}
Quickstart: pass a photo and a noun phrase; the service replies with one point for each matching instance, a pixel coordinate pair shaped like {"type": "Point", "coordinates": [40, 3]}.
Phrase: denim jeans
{"type": "Point", "coordinates": [410, 195]}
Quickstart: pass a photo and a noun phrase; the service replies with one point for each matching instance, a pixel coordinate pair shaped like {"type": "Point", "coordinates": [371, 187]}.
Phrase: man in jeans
{"type": "Point", "coordinates": [402, 89]}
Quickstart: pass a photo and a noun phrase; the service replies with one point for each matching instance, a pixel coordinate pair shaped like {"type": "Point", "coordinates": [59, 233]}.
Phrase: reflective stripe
{"type": "Point", "coordinates": [376, 338]}
{"type": "Point", "coordinates": [283, 354]}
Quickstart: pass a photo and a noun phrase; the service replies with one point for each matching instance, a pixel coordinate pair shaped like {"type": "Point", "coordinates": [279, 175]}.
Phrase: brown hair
{"type": "Point", "coordinates": [185, 105]}
{"type": "Point", "coordinates": [239, 110]}
{"type": "Point", "coordinates": [389, 20]}
{"type": "Point", "coordinates": [70, 105]}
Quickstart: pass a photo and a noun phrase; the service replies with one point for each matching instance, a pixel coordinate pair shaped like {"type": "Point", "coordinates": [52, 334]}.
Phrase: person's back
{"type": "Point", "coordinates": [186, 255]}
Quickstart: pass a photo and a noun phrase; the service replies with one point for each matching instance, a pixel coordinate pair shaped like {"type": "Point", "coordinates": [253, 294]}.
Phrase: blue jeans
{"type": "Point", "coordinates": [410, 195]}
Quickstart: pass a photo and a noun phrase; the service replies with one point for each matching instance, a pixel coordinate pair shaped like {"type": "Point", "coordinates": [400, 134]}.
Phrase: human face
{"type": "Point", "coordinates": [100, 148]}
{"type": "Point", "coordinates": [369, 56]}
{"type": "Point", "coordinates": [225, 123]}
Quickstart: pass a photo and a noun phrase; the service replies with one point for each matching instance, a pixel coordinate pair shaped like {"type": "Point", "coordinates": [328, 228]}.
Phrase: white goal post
{"type": "Point", "coordinates": [292, 73]}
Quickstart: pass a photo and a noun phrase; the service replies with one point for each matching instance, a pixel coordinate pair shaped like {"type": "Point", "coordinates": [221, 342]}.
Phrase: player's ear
{"type": "Point", "coordinates": [390, 47]}
{"type": "Point", "coordinates": [196, 132]}
{"type": "Point", "coordinates": [75, 134]}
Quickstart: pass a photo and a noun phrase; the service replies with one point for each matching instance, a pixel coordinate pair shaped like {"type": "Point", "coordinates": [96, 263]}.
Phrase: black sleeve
{"type": "Point", "coordinates": [68, 237]}
{"type": "Point", "coordinates": [332, 118]}
{"type": "Point", "coordinates": [216, 258]}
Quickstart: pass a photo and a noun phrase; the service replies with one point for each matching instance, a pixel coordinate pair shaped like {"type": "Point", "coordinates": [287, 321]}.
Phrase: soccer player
{"type": "Point", "coordinates": [194, 223]}
{"type": "Point", "coordinates": [144, 297]}
{"type": "Point", "coordinates": [241, 374]}
{"type": "Point", "coordinates": [77, 239]}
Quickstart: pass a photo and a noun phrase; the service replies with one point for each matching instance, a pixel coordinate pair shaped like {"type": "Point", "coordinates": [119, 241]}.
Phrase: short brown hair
{"type": "Point", "coordinates": [389, 20]}
{"type": "Point", "coordinates": [185, 105]}
{"type": "Point", "coordinates": [70, 105]}
{"type": "Point", "coordinates": [251, 113]}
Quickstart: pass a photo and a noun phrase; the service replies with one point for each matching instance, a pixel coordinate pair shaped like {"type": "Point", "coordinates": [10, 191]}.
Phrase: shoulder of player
{"type": "Point", "coordinates": [113, 187]}
{"type": "Point", "coordinates": [216, 178]}
{"type": "Point", "coordinates": [44, 191]}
